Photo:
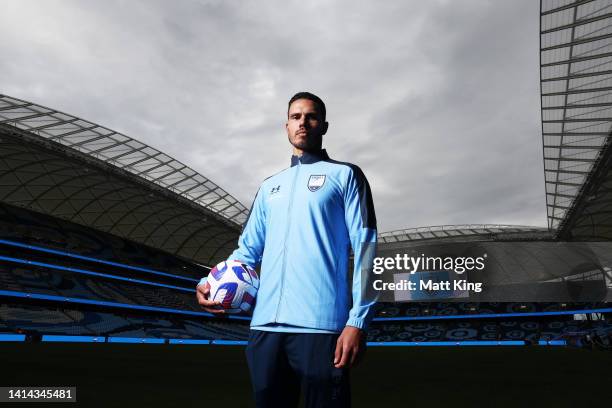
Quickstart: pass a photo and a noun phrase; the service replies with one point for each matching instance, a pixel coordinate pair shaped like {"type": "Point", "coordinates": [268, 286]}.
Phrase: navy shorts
{"type": "Point", "coordinates": [281, 364]}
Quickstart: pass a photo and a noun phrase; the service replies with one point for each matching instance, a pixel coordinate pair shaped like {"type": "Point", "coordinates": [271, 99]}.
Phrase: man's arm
{"type": "Point", "coordinates": [249, 251]}
{"type": "Point", "coordinates": [360, 220]}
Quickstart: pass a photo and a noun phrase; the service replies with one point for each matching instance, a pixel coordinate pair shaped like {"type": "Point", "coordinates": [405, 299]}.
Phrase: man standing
{"type": "Point", "coordinates": [308, 324]}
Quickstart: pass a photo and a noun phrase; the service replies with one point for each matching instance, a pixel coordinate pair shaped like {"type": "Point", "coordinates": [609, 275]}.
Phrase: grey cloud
{"type": "Point", "coordinates": [438, 102]}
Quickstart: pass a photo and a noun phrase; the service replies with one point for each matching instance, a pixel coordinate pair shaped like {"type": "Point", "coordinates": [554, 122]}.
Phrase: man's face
{"type": "Point", "coordinates": [305, 125]}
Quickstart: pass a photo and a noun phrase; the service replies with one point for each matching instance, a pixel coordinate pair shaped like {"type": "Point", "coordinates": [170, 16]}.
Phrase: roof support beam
{"type": "Point", "coordinates": [577, 59]}
{"type": "Point", "coordinates": [569, 159]}
{"type": "Point", "coordinates": [9, 107]}
{"type": "Point", "coordinates": [561, 134]}
{"type": "Point", "coordinates": [22, 118]}
{"type": "Point", "coordinates": [574, 147]}
{"type": "Point", "coordinates": [567, 171]}
{"type": "Point", "coordinates": [73, 132]}
{"type": "Point", "coordinates": [576, 106]}
{"type": "Point", "coordinates": [577, 23]}
{"type": "Point", "coordinates": [565, 7]}
{"type": "Point", "coordinates": [564, 183]}
{"type": "Point", "coordinates": [561, 195]}
{"type": "Point", "coordinates": [579, 91]}
{"type": "Point", "coordinates": [578, 42]}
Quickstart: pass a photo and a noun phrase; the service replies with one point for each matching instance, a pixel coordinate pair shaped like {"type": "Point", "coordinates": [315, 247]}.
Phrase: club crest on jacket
{"type": "Point", "coordinates": [316, 181]}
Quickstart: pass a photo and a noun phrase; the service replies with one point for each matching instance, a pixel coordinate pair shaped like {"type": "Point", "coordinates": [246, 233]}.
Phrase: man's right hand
{"type": "Point", "coordinates": [202, 293]}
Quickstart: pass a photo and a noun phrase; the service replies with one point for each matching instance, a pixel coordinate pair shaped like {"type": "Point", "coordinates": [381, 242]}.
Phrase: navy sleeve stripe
{"type": "Point", "coordinates": [250, 210]}
{"type": "Point", "coordinates": [368, 216]}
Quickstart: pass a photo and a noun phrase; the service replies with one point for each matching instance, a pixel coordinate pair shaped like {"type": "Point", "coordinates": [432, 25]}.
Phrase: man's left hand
{"type": "Point", "coordinates": [349, 347]}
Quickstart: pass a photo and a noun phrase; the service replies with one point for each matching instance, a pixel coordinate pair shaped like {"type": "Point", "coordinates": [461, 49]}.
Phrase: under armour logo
{"type": "Point", "coordinates": [275, 190]}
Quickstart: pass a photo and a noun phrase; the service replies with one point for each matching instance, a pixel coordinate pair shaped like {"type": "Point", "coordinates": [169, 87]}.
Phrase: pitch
{"type": "Point", "coordinates": [109, 375]}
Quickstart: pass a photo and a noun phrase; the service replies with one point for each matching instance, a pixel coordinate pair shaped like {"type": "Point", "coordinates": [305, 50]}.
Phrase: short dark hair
{"type": "Point", "coordinates": [312, 97]}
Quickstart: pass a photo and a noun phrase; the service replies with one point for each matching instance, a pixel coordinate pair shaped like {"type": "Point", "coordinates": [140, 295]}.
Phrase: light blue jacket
{"type": "Point", "coordinates": [301, 227]}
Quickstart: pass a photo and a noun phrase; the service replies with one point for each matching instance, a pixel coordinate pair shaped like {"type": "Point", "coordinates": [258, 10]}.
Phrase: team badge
{"type": "Point", "coordinates": [315, 182]}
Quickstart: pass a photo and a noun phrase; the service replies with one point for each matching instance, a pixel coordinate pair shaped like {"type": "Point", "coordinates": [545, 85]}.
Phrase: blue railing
{"type": "Point", "coordinates": [90, 259]}
{"type": "Point", "coordinates": [149, 340]}
{"type": "Point", "coordinates": [92, 273]}
{"type": "Point", "coordinates": [63, 299]}
{"type": "Point", "coordinates": [378, 319]}
{"type": "Point", "coordinates": [12, 337]}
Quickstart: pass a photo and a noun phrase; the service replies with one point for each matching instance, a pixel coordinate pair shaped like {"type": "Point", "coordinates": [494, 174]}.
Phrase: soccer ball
{"type": "Point", "coordinates": [234, 284]}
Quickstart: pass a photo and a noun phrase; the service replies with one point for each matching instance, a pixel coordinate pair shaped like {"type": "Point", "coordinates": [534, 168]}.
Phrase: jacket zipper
{"type": "Point", "coordinates": [284, 265]}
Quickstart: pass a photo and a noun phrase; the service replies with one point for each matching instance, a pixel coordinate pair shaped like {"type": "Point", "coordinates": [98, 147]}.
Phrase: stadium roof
{"type": "Point", "coordinates": [591, 216]}
{"type": "Point", "coordinates": [576, 87]}
{"type": "Point", "coordinates": [123, 152]}
{"type": "Point", "coordinates": [457, 231]}
{"type": "Point", "coordinates": [72, 169]}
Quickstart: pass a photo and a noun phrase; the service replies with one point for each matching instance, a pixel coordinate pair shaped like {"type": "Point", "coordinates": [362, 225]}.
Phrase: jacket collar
{"type": "Point", "coordinates": [309, 157]}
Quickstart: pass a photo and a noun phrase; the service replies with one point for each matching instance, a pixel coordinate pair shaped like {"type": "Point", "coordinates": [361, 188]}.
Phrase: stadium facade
{"type": "Point", "coordinates": [104, 237]}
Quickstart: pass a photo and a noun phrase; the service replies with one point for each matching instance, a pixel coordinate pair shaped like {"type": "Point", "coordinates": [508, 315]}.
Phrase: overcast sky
{"type": "Point", "coordinates": [437, 101]}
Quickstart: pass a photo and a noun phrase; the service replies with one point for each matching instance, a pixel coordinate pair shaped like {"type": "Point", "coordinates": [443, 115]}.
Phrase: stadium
{"type": "Point", "coordinates": [103, 239]}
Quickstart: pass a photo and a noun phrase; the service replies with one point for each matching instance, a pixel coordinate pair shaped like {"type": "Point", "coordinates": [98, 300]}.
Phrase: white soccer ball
{"type": "Point", "coordinates": [235, 285]}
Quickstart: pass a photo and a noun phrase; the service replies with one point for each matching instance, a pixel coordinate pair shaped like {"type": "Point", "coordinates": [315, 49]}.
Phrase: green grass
{"type": "Point", "coordinates": [117, 375]}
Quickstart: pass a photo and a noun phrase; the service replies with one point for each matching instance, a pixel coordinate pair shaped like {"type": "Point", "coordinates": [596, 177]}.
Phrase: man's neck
{"type": "Point", "coordinates": [299, 152]}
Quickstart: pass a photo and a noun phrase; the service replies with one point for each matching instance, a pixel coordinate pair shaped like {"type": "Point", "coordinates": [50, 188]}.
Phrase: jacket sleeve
{"type": "Point", "coordinates": [251, 241]}
{"type": "Point", "coordinates": [361, 224]}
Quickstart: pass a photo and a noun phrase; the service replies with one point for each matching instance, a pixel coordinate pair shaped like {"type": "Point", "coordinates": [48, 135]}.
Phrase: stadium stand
{"type": "Point", "coordinates": [424, 309]}
{"type": "Point", "coordinates": [35, 271]}
{"type": "Point", "coordinates": [29, 227]}
{"type": "Point", "coordinates": [39, 320]}
{"type": "Point", "coordinates": [528, 330]}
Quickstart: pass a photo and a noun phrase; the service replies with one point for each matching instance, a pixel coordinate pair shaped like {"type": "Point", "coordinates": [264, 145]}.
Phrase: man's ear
{"type": "Point", "coordinates": [325, 126]}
